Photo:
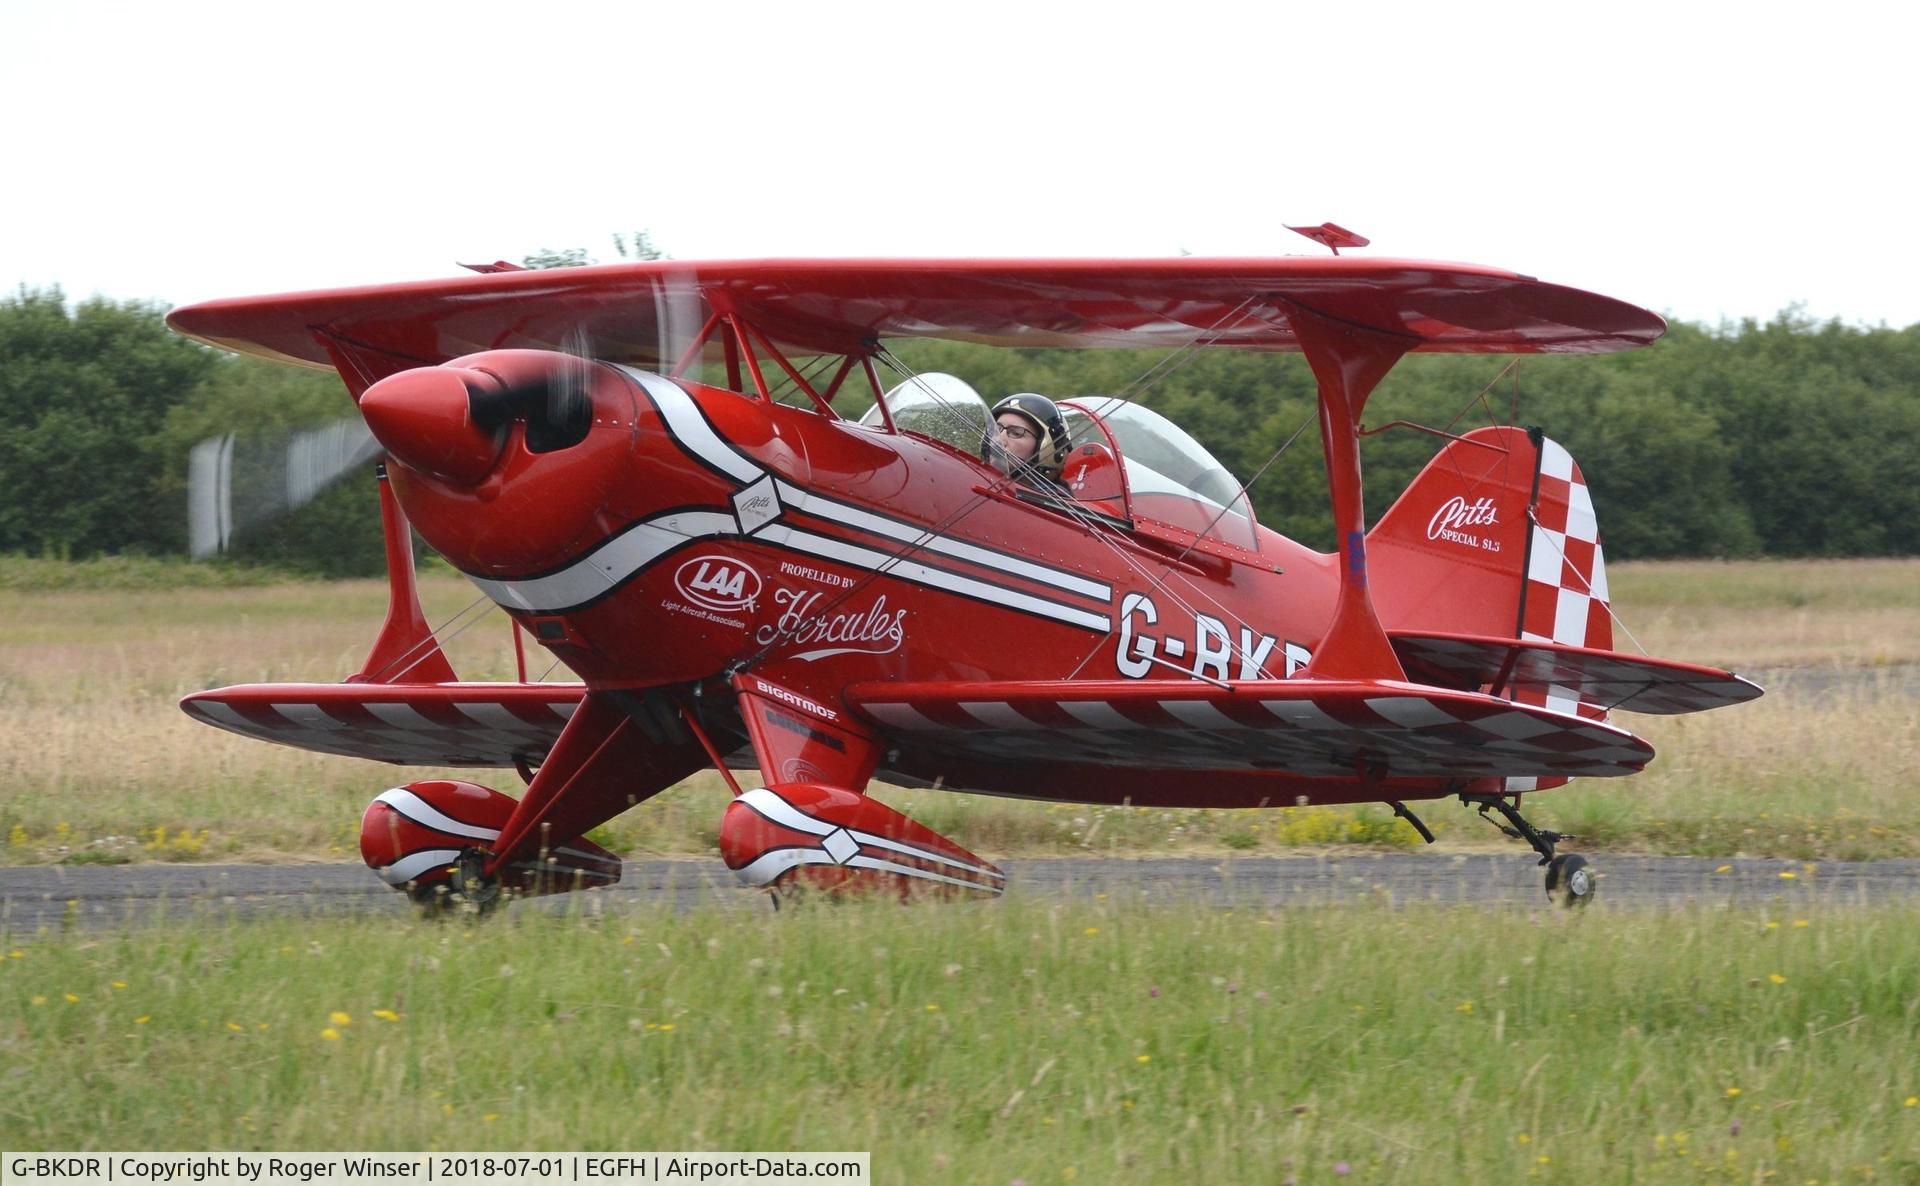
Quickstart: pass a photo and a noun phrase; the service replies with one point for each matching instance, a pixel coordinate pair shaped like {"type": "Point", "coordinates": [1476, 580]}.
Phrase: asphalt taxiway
{"type": "Point", "coordinates": [94, 897]}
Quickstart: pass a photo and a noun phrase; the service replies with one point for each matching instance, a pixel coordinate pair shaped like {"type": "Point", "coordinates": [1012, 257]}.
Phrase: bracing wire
{"type": "Point", "coordinates": [415, 654]}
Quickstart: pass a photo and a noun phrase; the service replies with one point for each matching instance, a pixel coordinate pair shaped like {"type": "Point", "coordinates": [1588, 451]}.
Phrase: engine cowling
{"type": "Point", "coordinates": [505, 460]}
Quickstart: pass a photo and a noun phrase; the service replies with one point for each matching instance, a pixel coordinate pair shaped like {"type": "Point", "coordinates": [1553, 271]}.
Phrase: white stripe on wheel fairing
{"type": "Point", "coordinates": [786, 814]}
{"type": "Point", "coordinates": [428, 816]}
{"type": "Point", "coordinates": [763, 870]}
{"type": "Point", "coordinates": [769, 804]}
{"type": "Point", "coordinates": [414, 864]}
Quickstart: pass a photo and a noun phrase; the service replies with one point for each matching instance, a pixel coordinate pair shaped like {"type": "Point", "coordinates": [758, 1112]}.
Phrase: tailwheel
{"type": "Point", "coordinates": [468, 892]}
{"type": "Point", "coordinates": [1570, 880]}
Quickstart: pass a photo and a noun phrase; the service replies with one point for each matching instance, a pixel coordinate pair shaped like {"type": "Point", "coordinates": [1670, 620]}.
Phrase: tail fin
{"type": "Point", "coordinates": [1496, 537]}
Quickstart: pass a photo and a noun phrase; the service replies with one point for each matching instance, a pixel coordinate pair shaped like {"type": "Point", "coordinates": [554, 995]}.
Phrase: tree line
{"type": "Point", "coordinates": [1785, 438]}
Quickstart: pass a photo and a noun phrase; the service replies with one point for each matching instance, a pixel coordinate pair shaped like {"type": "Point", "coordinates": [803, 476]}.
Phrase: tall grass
{"type": "Point", "coordinates": [97, 763]}
{"type": "Point", "coordinates": [1090, 1040]}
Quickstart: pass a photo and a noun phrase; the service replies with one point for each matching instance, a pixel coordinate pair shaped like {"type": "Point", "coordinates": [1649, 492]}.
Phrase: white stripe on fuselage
{"type": "Point", "coordinates": [640, 545]}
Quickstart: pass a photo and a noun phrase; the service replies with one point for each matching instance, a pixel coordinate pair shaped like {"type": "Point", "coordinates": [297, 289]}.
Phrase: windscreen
{"type": "Point", "coordinates": [1170, 477]}
{"type": "Point", "coordinates": [936, 405]}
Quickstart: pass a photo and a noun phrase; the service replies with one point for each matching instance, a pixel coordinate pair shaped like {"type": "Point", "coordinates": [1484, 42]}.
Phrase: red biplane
{"type": "Point", "coordinates": [642, 464]}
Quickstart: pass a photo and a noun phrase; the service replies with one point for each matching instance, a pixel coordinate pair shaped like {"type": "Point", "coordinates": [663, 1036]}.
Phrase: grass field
{"type": "Point", "coordinates": [1025, 1040]}
{"type": "Point", "coordinates": [99, 764]}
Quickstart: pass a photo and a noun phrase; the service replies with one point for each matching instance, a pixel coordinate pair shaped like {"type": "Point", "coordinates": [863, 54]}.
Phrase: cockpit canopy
{"type": "Point", "coordinates": [1125, 460]}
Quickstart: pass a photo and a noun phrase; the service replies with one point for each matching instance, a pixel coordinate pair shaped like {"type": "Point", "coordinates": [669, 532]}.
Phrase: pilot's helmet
{"type": "Point", "coordinates": [1049, 426]}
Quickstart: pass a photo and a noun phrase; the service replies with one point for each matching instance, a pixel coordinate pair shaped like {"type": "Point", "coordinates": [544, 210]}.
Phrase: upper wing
{"type": "Point", "coordinates": [1322, 728]}
{"type": "Point", "coordinates": [644, 313]}
{"type": "Point", "coordinates": [407, 724]}
{"type": "Point", "coordinates": [1604, 679]}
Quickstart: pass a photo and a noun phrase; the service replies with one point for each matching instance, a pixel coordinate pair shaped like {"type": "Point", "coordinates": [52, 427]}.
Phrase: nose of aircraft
{"type": "Point", "coordinates": [505, 460]}
{"type": "Point", "coordinates": [425, 420]}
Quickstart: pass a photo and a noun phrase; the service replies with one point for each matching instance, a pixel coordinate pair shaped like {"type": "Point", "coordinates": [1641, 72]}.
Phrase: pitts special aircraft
{"type": "Point", "coordinates": [737, 580]}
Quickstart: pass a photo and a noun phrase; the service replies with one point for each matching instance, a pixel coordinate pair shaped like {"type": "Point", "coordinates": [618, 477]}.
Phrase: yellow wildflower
{"type": "Point", "coordinates": [666, 1027]}
{"type": "Point", "coordinates": [339, 1018]}
{"type": "Point", "coordinates": [143, 1019]}
{"type": "Point", "coordinates": [386, 1015]}
{"type": "Point", "coordinates": [119, 984]}
{"type": "Point", "coordinates": [1776, 977]}
{"type": "Point", "coordinates": [1463, 1007]}
{"type": "Point", "coordinates": [1733, 1092]}
{"type": "Point", "coordinates": [330, 1034]}
{"type": "Point", "coordinates": [1801, 922]}
{"type": "Point", "coordinates": [71, 999]}
{"type": "Point", "coordinates": [1724, 869]}
{"type": "Point", "coordinates": [1788, 875]}
{"type": "Point", "coordinates": [1523, 1139]}
{"type": "Point", "coordinates": [238, 1029]}
{"type": "Point", "coordinates": [1912, 1101]}
{"type": "Point", "coordinates": [1093, 930]}
{"type": "Point", "coordinates": [1143, 1058]}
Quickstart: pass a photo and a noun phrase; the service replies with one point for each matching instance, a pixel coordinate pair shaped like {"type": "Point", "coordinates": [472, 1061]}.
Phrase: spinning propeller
{"type": "Point", "coordinates": [452, 422]}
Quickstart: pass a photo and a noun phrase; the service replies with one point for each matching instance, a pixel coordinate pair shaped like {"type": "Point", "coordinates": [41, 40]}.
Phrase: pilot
{"type": "Point", "coordinates": [1028, 440]}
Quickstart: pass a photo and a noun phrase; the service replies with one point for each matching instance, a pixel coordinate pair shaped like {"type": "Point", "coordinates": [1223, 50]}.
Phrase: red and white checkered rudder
{"type": "Point", "coordinates": [1565, 598]}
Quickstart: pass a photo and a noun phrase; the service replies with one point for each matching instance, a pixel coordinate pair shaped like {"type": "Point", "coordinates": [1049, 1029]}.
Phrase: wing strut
{"type": "Point", "coordinates": [1348, 361]}
{"type": "Point", "coordinates": [406, 650]}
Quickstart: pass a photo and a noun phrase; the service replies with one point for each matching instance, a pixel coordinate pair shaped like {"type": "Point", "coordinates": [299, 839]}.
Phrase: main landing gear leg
{"type": "Point", "coordinates": [1570, 880]}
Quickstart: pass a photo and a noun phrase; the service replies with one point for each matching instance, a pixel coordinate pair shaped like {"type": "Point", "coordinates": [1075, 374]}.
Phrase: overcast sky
{"type": "Point", "coordinates": [1706, 161]}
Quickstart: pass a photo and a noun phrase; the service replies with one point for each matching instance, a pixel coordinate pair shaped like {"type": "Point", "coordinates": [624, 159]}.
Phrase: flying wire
{"type": "Point", "coordinates": [414, 655]}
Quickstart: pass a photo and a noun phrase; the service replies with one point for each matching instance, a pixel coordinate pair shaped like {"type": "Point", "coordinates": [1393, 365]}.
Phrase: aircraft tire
{"type": "Point", "coordinates": [1570, 880]}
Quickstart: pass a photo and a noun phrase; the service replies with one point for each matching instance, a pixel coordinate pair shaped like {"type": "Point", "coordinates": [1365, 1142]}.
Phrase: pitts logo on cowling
{"type": "Point", "coordinates": [1209, 653]}
{"type": "Point", "coordinates": [1457, 513]}
{"type": "Point", "coordinates": [718, 584]}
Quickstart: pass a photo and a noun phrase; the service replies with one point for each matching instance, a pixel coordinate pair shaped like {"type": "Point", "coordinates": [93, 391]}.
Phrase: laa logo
{"type": "Point", "coordinates": [718, 584]}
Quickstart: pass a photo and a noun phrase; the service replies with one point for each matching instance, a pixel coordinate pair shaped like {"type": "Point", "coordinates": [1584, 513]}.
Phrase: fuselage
{"type": "Point", "coordinates": [697, 532]}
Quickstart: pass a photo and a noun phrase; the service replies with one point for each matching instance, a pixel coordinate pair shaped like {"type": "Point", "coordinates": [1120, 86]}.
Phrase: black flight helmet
{"type": "Point", "coordinates": [1048, 425]}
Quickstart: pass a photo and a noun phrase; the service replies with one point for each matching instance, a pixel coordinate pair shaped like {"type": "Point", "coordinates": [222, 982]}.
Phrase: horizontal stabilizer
{"type": "Point", "coordinates": [1602, 679]}
{"type": "Point", "coordinates": [1320, 728]}
{"type": "Point", "coordinates": [478, 724]}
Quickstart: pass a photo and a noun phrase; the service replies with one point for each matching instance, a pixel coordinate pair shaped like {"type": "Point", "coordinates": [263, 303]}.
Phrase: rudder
{"type": "Point", "coordinates": [1496, 537]}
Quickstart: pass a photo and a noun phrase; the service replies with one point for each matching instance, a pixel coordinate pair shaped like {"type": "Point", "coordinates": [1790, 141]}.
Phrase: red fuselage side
{"type": "Point", "coordinates": [697, 529]}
